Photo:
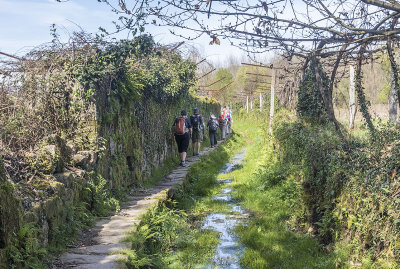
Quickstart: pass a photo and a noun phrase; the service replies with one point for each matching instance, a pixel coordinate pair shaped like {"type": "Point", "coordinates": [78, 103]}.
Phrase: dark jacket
{"type": "Point", "coordinates": [209, 124]}
{"type": "Point", "coordinates": [200, 119]}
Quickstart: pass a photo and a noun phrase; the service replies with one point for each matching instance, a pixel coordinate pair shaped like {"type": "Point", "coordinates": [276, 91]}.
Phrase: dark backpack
{"type": "Point", "coordinates": [195, 120]}
{"type": "Point", "coordinates": [213, 126]}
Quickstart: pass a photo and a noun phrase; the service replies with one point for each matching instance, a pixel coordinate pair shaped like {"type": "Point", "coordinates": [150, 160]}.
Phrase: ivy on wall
{"type": "Point", "coordinates": [114, 101]}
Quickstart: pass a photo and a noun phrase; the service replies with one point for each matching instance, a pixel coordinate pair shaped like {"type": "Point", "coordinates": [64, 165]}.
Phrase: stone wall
{"type": "Point", "coordinates": [99, 124]}
{"type": "Point", "coordinates": [9, 215]}
{"type": "Point", "coordinates": [140, 138]}
{"type": "Point", "coordinates": [134, 141]}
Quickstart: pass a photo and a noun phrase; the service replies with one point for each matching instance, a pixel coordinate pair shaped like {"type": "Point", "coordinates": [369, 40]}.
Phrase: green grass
{"type": "Point", "coordinates": [170, 235]}
{"type": "Point", "coordinates": [262, 186]}
{"type": "Point", "coordinates": [159, 173]}
{"type": "Point", "coordinates": [167, 238]}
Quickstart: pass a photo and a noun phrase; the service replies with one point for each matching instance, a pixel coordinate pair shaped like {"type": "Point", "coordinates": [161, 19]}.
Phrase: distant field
{"type": "Point", "coordinates": [376, 110]}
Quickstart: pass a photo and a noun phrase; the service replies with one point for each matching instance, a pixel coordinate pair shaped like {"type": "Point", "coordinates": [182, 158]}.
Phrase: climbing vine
{"type": "Point", "coordinates": [362, 101]}
{"type": "Point", "coordinates": [310, 102]}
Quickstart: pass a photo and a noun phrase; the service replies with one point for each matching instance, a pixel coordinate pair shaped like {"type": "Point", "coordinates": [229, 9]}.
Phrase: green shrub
{"type": "Point", "coordinates": [44, 162]}
{"type": "Point", "coordinates": [349, 188]}
{"type": "Point", "coordinates": [100, 200]}
{"type": "Point", "coordinates": [77, 218]}
{"type": "Point", "coordinates": [166, 239]}
{"type": "Point", "coordinates": [25, 250]}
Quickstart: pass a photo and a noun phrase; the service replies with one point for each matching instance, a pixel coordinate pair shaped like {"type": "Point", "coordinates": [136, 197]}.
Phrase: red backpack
{"type": "Point", "coordinates": [221, 118]}
{"type": "Point", "coordinates": [180, 126]}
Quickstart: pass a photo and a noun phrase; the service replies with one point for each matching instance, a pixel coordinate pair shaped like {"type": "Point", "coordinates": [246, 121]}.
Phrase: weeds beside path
{"type": "Point", "coordinates": [106, 235]}
{"type": "Point", "coordinates": [262, 187]}
{"type": "Point", "coordinates": [170, 235]}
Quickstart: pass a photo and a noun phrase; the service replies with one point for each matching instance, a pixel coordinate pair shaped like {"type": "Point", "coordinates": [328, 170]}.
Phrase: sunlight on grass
{"type": "Point", "coordinates": [263, 187]}
{"type": "Point", "coordinates": [170, 235]}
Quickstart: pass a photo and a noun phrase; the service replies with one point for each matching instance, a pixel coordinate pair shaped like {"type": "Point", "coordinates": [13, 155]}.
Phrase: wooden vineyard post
{"type": "Point", "coordinates": [260, 102]}
{"type": "Point", "coordinates": [247, 104]}
{"type": "Point", "coordinates": [272, 103]}
{"type": "Point", "coordinates": [352, 99]}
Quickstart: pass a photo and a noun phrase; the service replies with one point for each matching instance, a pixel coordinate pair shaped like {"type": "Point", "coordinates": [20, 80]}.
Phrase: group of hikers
{"type": "Point", "coordinates": [193, 127]}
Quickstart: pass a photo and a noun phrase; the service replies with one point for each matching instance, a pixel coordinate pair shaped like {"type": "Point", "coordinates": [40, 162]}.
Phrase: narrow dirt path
{"type": "Point", "coordinates": [105, 237]}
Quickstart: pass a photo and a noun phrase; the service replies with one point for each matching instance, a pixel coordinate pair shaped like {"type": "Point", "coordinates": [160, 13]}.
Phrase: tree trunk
{"type": "Point", "coordinates": [327, 98]}
{"type": "Point", "coordinates": [352, 99]}
{"type": "Point", "coordinates": [394, 93]}
{"type": "Point", "coordinates": [362, 102]}
{"type": "Point", "coordinates": [392, 99]}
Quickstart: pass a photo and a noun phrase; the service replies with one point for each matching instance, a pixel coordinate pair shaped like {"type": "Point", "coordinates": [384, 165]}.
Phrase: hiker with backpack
{"type": "Point", "coordinates": [196, 120]}
{"type": "Point", "coordinates": [212, 130]}
{"type": "Point", "coordinates": [223, 122]}
{"type": "Point", "coordinates": [182, 131]}
{"type": "Point", "coordinates": [230, 120]}
{"type": "Point", "coordinates": [228, 126]}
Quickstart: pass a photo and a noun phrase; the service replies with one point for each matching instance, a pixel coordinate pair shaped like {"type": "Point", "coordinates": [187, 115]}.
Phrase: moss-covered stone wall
{"type": "Point", "coordinates": [139, 138]}
{"type": "Point", "coordinates": [10, 216]}
{"type": "Point", "coordinates": [108, 127]}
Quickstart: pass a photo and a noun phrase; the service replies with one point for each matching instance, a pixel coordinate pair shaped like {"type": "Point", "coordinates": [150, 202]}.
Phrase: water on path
{"type": "Point", "coordinates": [229, 249]}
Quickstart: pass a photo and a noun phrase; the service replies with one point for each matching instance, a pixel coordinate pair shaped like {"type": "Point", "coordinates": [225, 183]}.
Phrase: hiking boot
{"type": "Point", "coordinates": [184, 164]}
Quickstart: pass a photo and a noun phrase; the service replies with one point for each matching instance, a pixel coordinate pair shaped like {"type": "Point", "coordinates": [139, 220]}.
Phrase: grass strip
{"type": "Point", "coordinates": [263, 187]}
{"type": "Point", "coordinates": [170, 234]}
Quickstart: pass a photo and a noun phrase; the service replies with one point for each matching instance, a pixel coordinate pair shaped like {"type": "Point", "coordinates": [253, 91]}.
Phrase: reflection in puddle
{"type": "Point", "coordinates": [229, 249]}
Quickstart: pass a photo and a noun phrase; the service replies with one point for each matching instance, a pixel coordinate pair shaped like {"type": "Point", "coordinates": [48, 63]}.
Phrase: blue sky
{"type": "Point", "coordinates": [26, 24]}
